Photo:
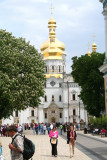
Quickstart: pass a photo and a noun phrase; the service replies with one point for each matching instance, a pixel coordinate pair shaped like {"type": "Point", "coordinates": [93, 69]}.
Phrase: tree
{"type": "Point", "coordinates": [22, 77]}
{"type": "Point", "coordinates": [87, 75]}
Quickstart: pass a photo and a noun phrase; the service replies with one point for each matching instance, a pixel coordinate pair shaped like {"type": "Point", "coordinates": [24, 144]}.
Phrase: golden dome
{"type": "Point", "coordinates": [52, 21]}
{"type": "Point", "coordinates": [57, 44]}
{"type": "Point", "coordinates": [88, 53]}
{"type": "Point", "coordinates": [94, 47]}
{"type": "Point", "coordinates": [52, 44]}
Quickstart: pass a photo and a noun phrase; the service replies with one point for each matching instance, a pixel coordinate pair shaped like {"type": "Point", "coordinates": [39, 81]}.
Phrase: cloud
{"type": "Point", "coordinates": [76, 21]}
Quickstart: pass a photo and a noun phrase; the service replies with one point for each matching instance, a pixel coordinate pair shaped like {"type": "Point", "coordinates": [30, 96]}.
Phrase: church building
{"type": "Point", "coordinates": [61, 102]}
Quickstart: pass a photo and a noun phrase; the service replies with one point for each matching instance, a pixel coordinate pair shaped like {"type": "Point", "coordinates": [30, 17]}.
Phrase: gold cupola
{"type": "Point", "coordinates": [88, 53]}
{"type": "Point", "coordinates": [94, 47]}
{"type": "Point", "coordinates": [52, 48]}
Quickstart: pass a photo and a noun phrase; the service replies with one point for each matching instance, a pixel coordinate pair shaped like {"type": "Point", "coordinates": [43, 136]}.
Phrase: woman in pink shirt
{"type": "Point", "coordinates": [54, 136]}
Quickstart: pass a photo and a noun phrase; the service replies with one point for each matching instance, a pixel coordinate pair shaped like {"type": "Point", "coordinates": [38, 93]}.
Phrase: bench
{"type": "Point", "coordinates": [103, 134]}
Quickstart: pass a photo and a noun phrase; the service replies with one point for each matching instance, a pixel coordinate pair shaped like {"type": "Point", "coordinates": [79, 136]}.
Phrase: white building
{"type": "Point", "coordinates": [61, 102]}
{"type": "Point", "coordinates": [103, 68]}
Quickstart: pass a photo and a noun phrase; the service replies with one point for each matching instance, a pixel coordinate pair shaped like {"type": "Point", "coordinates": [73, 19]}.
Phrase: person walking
{"type": "Point", "coordinates": [16, 145]}
{"type": "Point", "coordinates": [54, 140]}
{"type": "Point", "coordinates": [61, 127]}
{"type": "Point", "coordinates": [72, 141]}
{"type": "Point", "coordinates": [34, 129]}
{"type": "Point", "coordinates": [44, 129]}
{"type": "Point", "coordinates": [68, 134]}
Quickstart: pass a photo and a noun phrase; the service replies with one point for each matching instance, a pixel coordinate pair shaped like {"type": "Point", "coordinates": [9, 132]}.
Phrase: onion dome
{"type": "Point", "coordinates": [94, 47]}
{"type": "Point", "coordinates": [52, 45]}
{"type": "Point", "coordinates": [88, 53]}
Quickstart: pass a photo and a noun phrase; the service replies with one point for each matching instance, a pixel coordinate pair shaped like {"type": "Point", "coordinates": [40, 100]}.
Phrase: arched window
{"type": "Point", "coordinates": [52, 68]}
{"type": "Point", "coordinates": [32, 113]}
{"type": "Point", "coordinates": [60, 98]}
{"type": "Point", "coordinates": [52, 98]}
{"type": "Point", "coordinates": [73, 97]}
{"type": "Point", "coordinates": [74, 112]}
{"type": "Point", "coordinates": [45, 85]}
{"type": "Point", "coordinates": [16, 114]}
{"type": "Point", "coordinates": [60, 115]}
{"type": "Point", "coordinates": [46, 69]}
{"type": "Point", "coordinates": [45, 115]}
{"type": "Point", "coordinates": [59, 69]}
{"type": "Point", "coordinates": [45, 98]}
{"type": "Point", "coordinates": [60, 85]}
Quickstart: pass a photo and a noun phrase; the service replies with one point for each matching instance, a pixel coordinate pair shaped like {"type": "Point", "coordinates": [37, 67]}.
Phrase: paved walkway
{"type": "Point", "coordinates": [95, 136]}
{"type": "Point", "coordinates": [43, 148]}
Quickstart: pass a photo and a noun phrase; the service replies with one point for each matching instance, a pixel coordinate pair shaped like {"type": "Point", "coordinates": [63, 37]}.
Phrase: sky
{"type": "Point", "coordinates": [77, 21]}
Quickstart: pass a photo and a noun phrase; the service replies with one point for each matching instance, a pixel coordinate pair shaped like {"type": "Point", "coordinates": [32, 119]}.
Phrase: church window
{"type": "Point", "coordinates": [60, 98]}
{"type": "Point", "coordinates": [60, 85]}
{"type": "Point", "coordinates": [52, 83]}
{"type": "Point", "coordinates": [49, 30]}
{"type": "Point", "coordinates": [45, 98]}
{"type": "Point", "coordinates": [32, 113]}
{"type": "Point", "coordinates": [46, 69]}
{"type": "Point", "coordinates": [59, 69]}
{"type": "Point", "coordinates": [16, 114]}
{"type": "Point", "coordinates": [52, 68]}
{"type": "Point", "coordinates": [45, 115]}
{"type": "Point", "coordinates": [74, 112]}
{"type": "Point", "coordinates": [60, 115]}
{"type": "Point", "coordinates": [54, 30]}
{"type": "Point", "coordinates": [73, 97]}
{"type": "Point", "coordinates": [45, 85]}
{"type": "Point", "coordinates": [52, 98]}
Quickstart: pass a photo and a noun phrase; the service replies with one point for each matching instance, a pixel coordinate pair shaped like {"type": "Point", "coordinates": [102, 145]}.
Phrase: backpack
{"type": "Point", "coordinates": [29, 147]}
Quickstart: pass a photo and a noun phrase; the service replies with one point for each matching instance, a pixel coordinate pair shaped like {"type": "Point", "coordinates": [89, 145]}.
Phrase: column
{"type": "Point", "coordinates": [105, 17]}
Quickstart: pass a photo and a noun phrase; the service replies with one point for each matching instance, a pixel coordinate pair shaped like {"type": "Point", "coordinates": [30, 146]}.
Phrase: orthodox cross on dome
{"type": "Point", "coordinates": [94, 36]}
{"type": "Point", "coordinates": [52, 9]}
{"type": "Point", "coordinates": [88, 45]}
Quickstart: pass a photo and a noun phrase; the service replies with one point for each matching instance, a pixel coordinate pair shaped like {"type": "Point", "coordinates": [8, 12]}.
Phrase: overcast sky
{"type": "Point", "coordinates": [77, 21]}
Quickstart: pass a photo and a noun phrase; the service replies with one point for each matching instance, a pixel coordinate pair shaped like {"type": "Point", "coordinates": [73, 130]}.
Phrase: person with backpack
{"type": "Point", "coordinates": [16, 145]}
{"type": "Point", "coordinates": [21, 147]}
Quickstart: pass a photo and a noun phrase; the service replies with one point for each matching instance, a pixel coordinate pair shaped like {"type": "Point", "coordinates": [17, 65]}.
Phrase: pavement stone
{"type": "Point", "coordinates": [95, 136]}
{"type": "Point", "coordinates": [43, 148]}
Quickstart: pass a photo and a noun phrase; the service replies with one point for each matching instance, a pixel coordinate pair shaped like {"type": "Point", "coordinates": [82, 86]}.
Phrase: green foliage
{"type": "Point", "coordinates": [97, 121]}
{"type": "Point", "coordinates": [22, 77]}
{"type": "Point", "coordinates": [87, 75]}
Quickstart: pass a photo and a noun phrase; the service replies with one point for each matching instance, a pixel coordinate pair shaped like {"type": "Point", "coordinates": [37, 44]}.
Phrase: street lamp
{"type": "Point", "coordinates": [79, 108]}
{"type": "Point", "coordinates": [66, 120]}
{"type": "Point", "coordinates": [101, 121]}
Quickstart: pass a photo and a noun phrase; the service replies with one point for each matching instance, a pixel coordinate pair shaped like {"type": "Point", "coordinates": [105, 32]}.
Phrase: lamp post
{"type": "Point", "coordinates": [66, 120]}
{"type": "Point", "coordinates": [68, 100]}
{"type": "Point", "coordinates": [79, 108]}
{"type": "Point", "coordinates": [101, 121]}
